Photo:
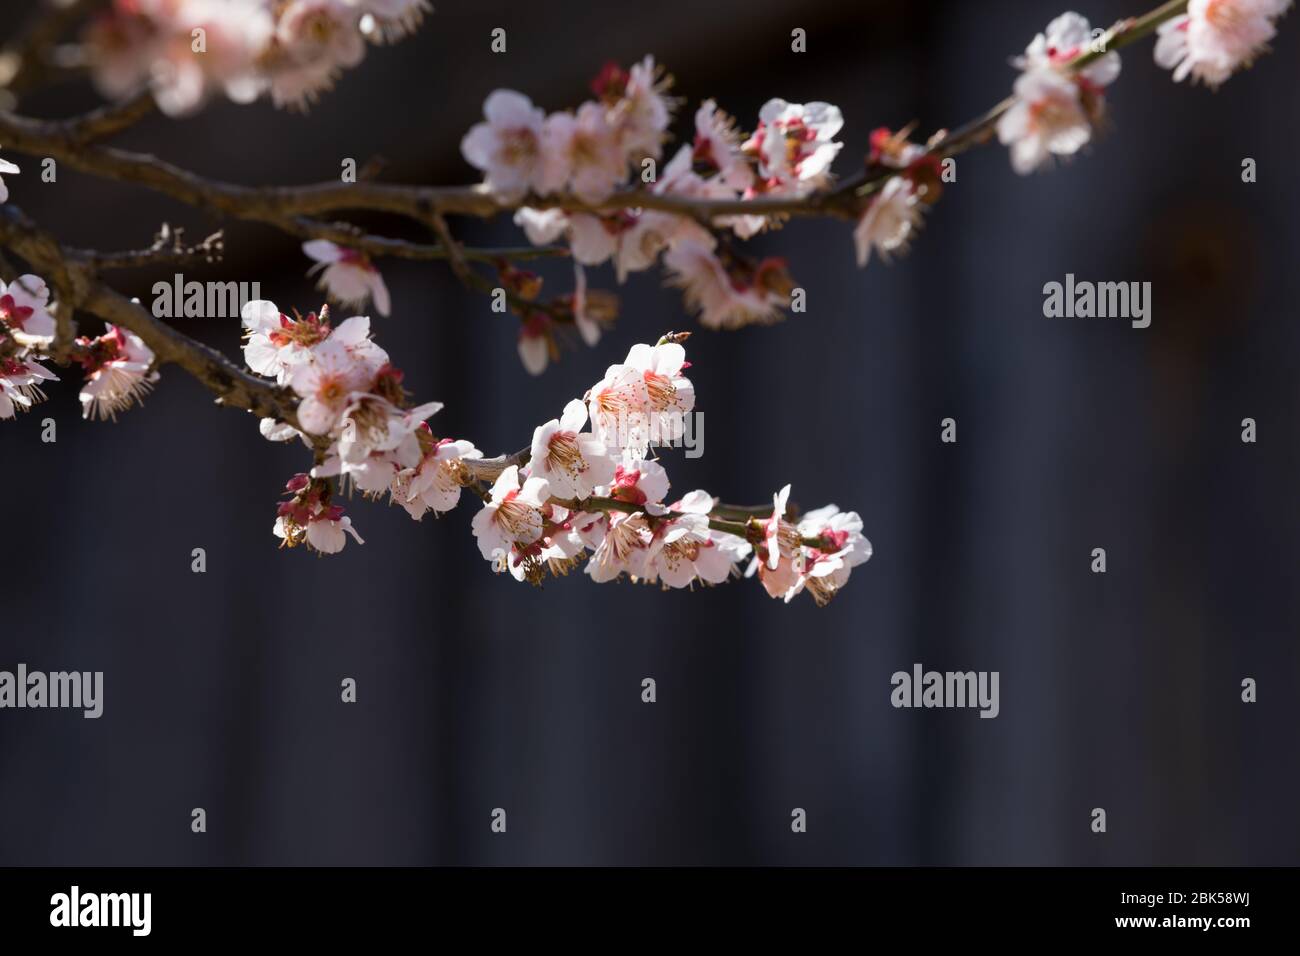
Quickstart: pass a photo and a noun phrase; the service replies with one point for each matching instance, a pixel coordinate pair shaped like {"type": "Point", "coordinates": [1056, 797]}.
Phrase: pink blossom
{"type": "Point", "coordinates": [1067, 37]}
{"type": "Point", "coordinates": [326, 384]}
{"type": "Point", "coordinates": [891, 217]}
{"type": "Point", "coordinates": [25, 311]}
{"type": "Point", "coordinates": [1046, 120]}
{"type": "Point", "coordinates": [348, 277]}
{"type": "Point", "coordinates": [535, 343]}
{"type": "Point", "coordinates": [309, 518]}
{"type": "Point", "coordinates": [685, 549]}
{"type": "Point", "coordinates": [433, 484]}
{"type": "Point", "coordinates": [581, 153]}
{"type": "Point", "coordinates": [723, 297]}
{"type": "Point", "coordinates": [511, 516]}
{"type": "Point", "coordinates": [794, 145]}
{"type": "Point", "coordinates": [508, 146]}
{"type": "Point", "coordinates": [640, 110]}
{"type": "Point", "coordinates": [1216, 38]}
{"type": "Point", "coordinates": [117, 367]}
{"type": "Point", "coordinates": [623, 549]}
{"type": "Point", "coordinates": [574, 462]}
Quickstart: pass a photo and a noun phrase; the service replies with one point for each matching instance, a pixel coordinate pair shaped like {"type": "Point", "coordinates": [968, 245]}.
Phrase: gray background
{"type": "Point", "coordinates": [1118, 690]}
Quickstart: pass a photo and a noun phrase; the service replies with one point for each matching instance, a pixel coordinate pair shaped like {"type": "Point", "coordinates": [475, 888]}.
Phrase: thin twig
{"type": "Point", "coordinates": [168, 249]}
{"type": "Point", "coordinates": [354, 237]}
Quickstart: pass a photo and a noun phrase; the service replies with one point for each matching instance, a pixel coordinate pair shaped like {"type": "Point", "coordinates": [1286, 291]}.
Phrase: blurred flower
{"type": "Point", "coordinates": [1046, 120]}
{"type": "Point", "coordinates": [581, 153]}
{"type": "Point", "coordinates": [891, 217]}
{"type": "Point", "coordinates": [1216, 38]}
{"type": "Point", "coordinates": [348, 277]}
{"type": "Point", "coordinates": [507, 147]}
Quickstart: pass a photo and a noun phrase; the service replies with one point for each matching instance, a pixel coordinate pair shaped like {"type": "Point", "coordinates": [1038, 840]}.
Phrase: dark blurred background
{"type": "Point", "coordinates": [1119, 690]}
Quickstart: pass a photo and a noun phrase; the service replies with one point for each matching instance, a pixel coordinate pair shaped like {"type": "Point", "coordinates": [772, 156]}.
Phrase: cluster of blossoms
{"type": "Point", "coordinates": [588, 491]}
{"type": "Point", "coordinates": [585, 491]}
{"type": "Point", "coordinates": [187, 50]}
{"type": "Point", "coordinates": [351, 407]}
{"type": "Point", "coordinates": [817, 553]}
{"type": "Point", "coordinates": [588, 495]}
{"type": "Point", "coordinates": [117, 365]}
{"type": "Point", "coordinates": [590, 154]}
{"type": "Point", "coordinates": [1057, 106]}
{"type": "Point", "coordinates": [593, 152]}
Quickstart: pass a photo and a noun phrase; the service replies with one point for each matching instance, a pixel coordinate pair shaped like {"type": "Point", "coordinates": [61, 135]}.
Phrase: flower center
{"type": "Point", "coordinates": [332, 390]}
{"type": "Point", "coordinates": [12, 313]}
{"type": "Point", "coordinates": [663, 394]}
{"type": "Point", "coordinates": [1051, 113]}
{"type": "Point", "coordinates": [305, 332]}
{"type": "Point", "coordinates": [1224, 15]}
{"type": "Point", "coordinates": [625, 537]}
{"type": "Point", "coordinates": [613, 402]}
{"type": "Point", "coordinates": [517, 518]}
{"type": "Point", "coordinates": [518, 146]}
{"type": "Point", "coordinates": [584, 151]}
{"type": "Point", "coordinates": [370, 419]}
{"type": "Point", "coordinates": [563, 454]}
{"type": "Point", "coordinates": [320, 28]}
{"type": "Point", "coordinates": [683, 549]}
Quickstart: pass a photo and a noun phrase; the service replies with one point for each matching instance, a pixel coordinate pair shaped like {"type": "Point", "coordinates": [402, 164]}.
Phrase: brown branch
{"type": "Point", "coordinates": [455, 255]}
{"type": "Point", "coordinates": [107, 121]}
{"type": "Point", "coordinates": [71, 142]}
{"type": "Point", "coordinates": [66, 141]}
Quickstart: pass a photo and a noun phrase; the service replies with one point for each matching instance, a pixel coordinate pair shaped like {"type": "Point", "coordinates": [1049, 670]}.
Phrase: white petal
{"type": "Point", "coordinates": [322, 250]}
